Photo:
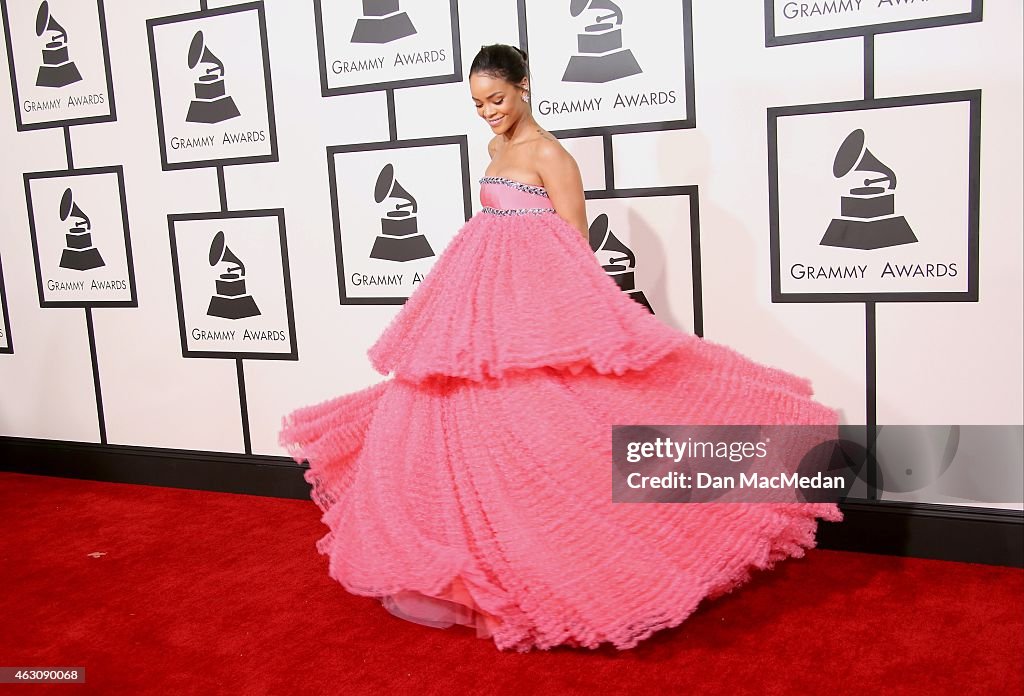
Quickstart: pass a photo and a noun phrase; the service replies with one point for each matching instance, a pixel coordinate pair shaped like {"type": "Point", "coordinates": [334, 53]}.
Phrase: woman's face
{"type": "Point", "coordinates": [497, 101]}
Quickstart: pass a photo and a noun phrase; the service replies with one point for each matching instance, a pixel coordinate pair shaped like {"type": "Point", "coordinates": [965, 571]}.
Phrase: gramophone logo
{"type": "Point", "coordinates": [600, 56]}
{"type": "Point", "coordinates": [399, 238]}
{"type": "Point", "coordinates": [81, 248]}
{"type": "Point", "coordinates": [868, 217]}
{"type": "Point", "coordinates": [382, 22]}
{"type": "Point", "coordinates": [79, 254]}
{"type": "Point", "coordinates": [223, 264]}
{"type": "Point", "coordinates": [57, 68]}
{"type": "Point", "coordinates": [230, 301]}
{"type": "Point", "coordinates": [211, 104]}
{"type": "Point", "coordinates": [617, 259]}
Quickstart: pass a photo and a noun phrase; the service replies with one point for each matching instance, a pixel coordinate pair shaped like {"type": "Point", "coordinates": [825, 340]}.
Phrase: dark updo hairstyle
{"type": "Point", "coordinates": [501, 60]}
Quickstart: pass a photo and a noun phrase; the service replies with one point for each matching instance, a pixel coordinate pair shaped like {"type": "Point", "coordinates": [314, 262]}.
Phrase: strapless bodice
{"type": "Point", "coordinates": [501, 196]}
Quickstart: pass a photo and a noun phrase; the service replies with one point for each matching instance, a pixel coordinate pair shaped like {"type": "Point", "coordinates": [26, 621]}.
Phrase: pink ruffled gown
{"type": "Point", "coordinates": [474, 486]}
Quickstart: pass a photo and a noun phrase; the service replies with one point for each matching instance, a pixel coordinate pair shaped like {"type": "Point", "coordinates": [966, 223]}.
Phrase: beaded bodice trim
{"type": "Point", "coordinates": [516, 211]}
{"type": "Point", "coordinates": [526, 188]}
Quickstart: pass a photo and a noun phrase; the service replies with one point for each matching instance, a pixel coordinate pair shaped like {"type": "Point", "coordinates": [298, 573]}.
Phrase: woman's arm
{"type": "Point", "coordinates": [561, 176]}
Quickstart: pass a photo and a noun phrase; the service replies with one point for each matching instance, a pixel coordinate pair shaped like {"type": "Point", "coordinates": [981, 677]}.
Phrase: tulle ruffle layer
{"type": "Point", "coordinates": [517, 293]}
{"type": "Point", "coordinates": [465, 502]}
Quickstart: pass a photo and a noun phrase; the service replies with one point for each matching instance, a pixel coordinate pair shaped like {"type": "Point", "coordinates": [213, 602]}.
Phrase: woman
{"type": "Point", "coordinates": [474, 487]}
{"type": "Point", "coordinates": [521, 150]}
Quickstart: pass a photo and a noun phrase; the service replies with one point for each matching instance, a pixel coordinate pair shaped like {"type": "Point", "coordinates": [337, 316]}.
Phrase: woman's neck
{"type": "Point", "coordinates": [520, 130]}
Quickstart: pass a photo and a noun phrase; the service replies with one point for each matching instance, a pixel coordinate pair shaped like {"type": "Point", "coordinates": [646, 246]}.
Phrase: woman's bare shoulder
{"type": "Point", "coordinates": [546, 148]}
{"type": "Point", "coordinates": [544, 142]}
{"type": "Point", "coordinates": [552, 159]}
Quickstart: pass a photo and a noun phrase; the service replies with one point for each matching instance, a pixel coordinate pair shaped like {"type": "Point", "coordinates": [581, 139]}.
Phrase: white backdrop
{"type": "Point", "coordinates": [655, 169]}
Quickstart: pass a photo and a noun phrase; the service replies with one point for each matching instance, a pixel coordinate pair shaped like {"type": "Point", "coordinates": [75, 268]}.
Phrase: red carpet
{"type": "Point", "coordinates": [214, 593]}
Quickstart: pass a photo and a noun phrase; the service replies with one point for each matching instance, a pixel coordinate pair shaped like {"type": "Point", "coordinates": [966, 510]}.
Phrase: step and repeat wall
{"type": "Point", "coordinates": [212, 210]}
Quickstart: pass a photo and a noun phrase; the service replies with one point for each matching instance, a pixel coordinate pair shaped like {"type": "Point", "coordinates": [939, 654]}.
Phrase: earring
{"type": "Point", "coordinates": [526, 96]}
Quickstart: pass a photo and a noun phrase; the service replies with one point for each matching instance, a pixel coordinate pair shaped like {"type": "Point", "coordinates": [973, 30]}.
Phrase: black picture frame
{"type": "Point", "coordinates": [461, 140]}
{"type": "Point", "coordinates": [118, 170]}
{"type": "Point", "coordinates": [328, 91]}
{"type": "Point", "coordinates": [691, 115]}
{"type": "Point", "coordinates": [272, 156]}
{"type": "Point", "coordinates": [771, 39]}
{"type": "Point", "coordinates": [61, 123]}
{"type": "Point", "coordinates": [277, 213]}
{"type": "Point", "coordinates": [973, 99]}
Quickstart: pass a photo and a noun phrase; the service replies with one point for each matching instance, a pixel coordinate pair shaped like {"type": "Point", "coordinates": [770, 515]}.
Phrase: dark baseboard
{"type": "Point", "coordinates": [926, 530]}
{"type": "Point", "coordinates": [921, 530]}
{"type": "Point", "coordinates": [277, 477]}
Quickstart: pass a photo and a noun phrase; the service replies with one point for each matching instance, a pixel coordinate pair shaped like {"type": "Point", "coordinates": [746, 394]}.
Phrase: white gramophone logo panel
{"type": "Point", "coordinates": [875, 200]}
{"type": "Point", "coordinates": [213, 93]}
{"type": "Point", "coordinates": [381, 41]}
{"type": "Point", "coordinates": [635, 239]}
{"type": "Point", "coordinates": [804, 17]}
{"type": "Point", "coordinates": [59, 65]}
{"type": "Point", "coordinates": [397, 210]}
{"type": "Point", "coordinates": [78, 228]}
{"type": "Point", "coordinates": [232, 285]}
{"type": "Point", "coordinates": [604, 63]}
